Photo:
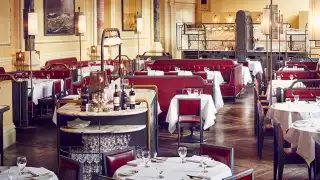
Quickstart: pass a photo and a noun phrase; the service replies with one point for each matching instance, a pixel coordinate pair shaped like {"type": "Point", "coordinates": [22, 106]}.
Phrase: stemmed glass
{"type": "Point", "coordinates": [291, 77]}
{"type": "Point", "coordinates": [182, 151]}
{"type": "Point", "coordinates": [278, 77]}
{"type": "Point", "coordinates": [318, 100]}
{"type": "Point", "coordinates": [296, 98]}
{"type": "Point", "coordinates": [146, 158]}
{"type": "Point", "coordinates": [288, 100]}
{"type": "Point", "coordinates": [48, 76]}
{"type": "Point", "coordinates": [204, 164]}
{"type": "Point", "coordinates": [125, 83]}
{"type": "Point", "coordinates": [21, 163]}
{"type": "Point", "coordinates": [189, 91]}
{"type": "Point", "coordinates": [79, 91]}
{"type": "Point", "coordinates": [196, 92]}
{"type": "Point", "coordinates": [160, 171]}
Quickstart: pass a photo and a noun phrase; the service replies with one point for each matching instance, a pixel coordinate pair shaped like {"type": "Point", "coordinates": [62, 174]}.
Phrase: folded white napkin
{"type": "Point", "coordinates": [136, 162]}
{"type": "Point", "coordinates": [197, 159]}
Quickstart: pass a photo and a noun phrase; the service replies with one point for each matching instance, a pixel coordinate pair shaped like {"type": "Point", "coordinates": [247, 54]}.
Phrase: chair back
{"type": "Point", "coordinates": [56, 90]}
{"type": "Point", "coordinates": [68, 86]}
{"type": "Point", "coordinates": [219, 153]}
{"type": "Point", "coordinates": [278, 141]}
{"type": "Point", "coordinates": [317, 156]}
{"type": "Point", "coordinates": [245, 175]}
{"type": "Point", "coordinates": [2, 71]}
{"type": "Point", "coordinates": [96, 176]}
{"type": "Point", "coordinates": [70, 169]}
{"type": "Point", "coordinates": [189, 107]}
{"type": "Point", "coordinates": [114, 160]}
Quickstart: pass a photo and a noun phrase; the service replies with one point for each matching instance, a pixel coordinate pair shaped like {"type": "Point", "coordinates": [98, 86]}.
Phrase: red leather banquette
{"type": "Point", "coordinates": [310, 65]}
{"type": "Point", "coordinates": [308, 93]}
{"type": "Point", "coordinates": [298, 75]}
{"type": "Point", "coordinates": [169, 86]}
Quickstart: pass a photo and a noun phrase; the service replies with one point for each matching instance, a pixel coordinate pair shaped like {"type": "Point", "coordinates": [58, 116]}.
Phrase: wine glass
{"type": "Point", "coordinates": [189, 91]}
{"type": "Point", "coordinates": [48, 76]}
{"type": "Point", "coordinates": [278, 77]}
{"type": "Point", "coordinates": [204, 164]}
{"type": "Point", "coordinates": [288, 100]}
{"type": "Point", "coordinates": [176, 69]}
{"type": "Point", "coordinates": [21, 163]}
{"type": "Point", "coordinates": [146, 158]}
{"type": "Point", "coordinates": [291, 77]}
{"type": "Point", "coordinates": [296, 98]}
{"type": "Point", "coordinates": [160, 171]}
{"type": "Point", "coordinates": [182, 151]}
{"type": "Point", "coordinates": [196, 92]}
{"type": "Point", "coordinates": [318, 100]}
{"type": "Point", "coordinates": [79, 91]}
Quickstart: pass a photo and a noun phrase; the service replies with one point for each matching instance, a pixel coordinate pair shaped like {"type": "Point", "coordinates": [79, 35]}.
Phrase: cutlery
{"type": "Point", "coordinates": [195, 177]}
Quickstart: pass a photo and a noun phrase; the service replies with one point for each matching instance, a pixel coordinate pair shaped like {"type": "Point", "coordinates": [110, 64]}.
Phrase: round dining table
{"type": "Point", "coordinates": [287, 113]}
{"type": "Point", "coordinates": [29, 173]}
{"type": "Point", "coordinates": [301, 138]}
{"type": "Point", "coordinates": [174, 169]}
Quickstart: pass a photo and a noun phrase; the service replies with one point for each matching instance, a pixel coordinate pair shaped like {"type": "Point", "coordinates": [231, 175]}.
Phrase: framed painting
{"type": "Point", "coordinates": [130, 9]}
{"type": "Point", "coordinates": [204, 5]}
{"type": "Point", "coordinates": [59, 17]}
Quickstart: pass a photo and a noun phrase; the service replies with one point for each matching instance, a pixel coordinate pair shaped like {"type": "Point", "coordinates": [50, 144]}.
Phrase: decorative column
{"type": "Point", "coordinates": [157, 46]}
{"type": "Point", "coordinates": [100, 19]}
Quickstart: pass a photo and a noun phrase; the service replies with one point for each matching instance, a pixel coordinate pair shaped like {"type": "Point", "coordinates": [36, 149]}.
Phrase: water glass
{"type": "Point", "coordinates": [160, 171]}
{"type": "Point", "coordinates": [196, 92]}
{"type": "Point", "coordinates": [146, 158]}
{"type": "Point", "coordinates": [189, 91]}
{"type": "Point", "coordinates": [48, 76]}
{"type": "Point", "coordinates": [182, 151]}
{"type": "Point", "coordinates": [296, 98]}
{"type": "Point", "coordinates": [204, 164]}
{"type": "Point", "coordinates": [291, 77]}
{"type": "Point", "coordinates": [176, 68]}
{"type": "Point", "coordinates": [79, 91]}
{"type": "Point", "coordinates": [148, 68]}
{"type": "Point", "coordinates": [155, 154]}
{"type": "Point", "coordinates": [278, 77]}
{"type": "Point", "coordinates": [318, 100]}
{"type": "Point", "coordinates": [288, 100]}
{"type": "Point", "coordinates": [21, 163]}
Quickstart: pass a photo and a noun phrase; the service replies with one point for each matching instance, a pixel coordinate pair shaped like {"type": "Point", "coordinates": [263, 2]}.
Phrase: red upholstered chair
{"type": "Point", "coordinates": [189, 114]}
{"type": "Point", "coordinates": [219, 153]}
{"type": "Point", "coordinates": [114, 160]}
{"type": "Point", "coordinates": [51, 100]}
{"type": "Point", "coordinates": [2, 71]}
{"type": "Point", "coordinates": [96, 176]}
{"type": "Point", "coordinates": [67, 86]}
{"type": "Point", "coordinates": [245, 175]}
{"type": "Point", "coordinates": [283, 155]}
{"type": "Point", "coordinates": [70, 169]}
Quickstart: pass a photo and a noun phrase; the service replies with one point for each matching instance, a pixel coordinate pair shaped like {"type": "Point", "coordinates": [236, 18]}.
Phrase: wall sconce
{"type": "Point", "coordinates": [259, 19]}
{"type": "Point", "coordinates": [94, 52]}
{"type": "Point", "coordinates": [215, 19]}
{"type": "Point", "coordinates": [20, 57]}
{"type": "Point", "coordinates": [230, 19]}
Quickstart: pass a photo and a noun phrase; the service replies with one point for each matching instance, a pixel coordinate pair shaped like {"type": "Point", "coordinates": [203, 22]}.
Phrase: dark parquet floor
{"type": "Point", "coordinates": [233, 128]}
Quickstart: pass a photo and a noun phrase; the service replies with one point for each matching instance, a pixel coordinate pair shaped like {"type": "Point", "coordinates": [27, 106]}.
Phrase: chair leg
{"type": "Point", "coordinates": [179, 134]}
{"type": "Point", "coordinates": [280, 171]}
{"type": "Point", "coordinates": [275, 167]}
{"type": "Point", "coordinates": [309, 172]}
{"type": "Point", "coordinates": [201, 134]}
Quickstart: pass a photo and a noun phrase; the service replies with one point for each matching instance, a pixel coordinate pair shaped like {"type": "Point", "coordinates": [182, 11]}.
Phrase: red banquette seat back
{"type": "Point", "coordinates": [2, 71]}
{"type": "Point", "coordinates": [310, 65]}
{"type": "Point", "coordinates": [285, 75]}
{"type": "Point", "coordinates": [68, 61]}
{"type": "Point", "coordinates": [168, 86]}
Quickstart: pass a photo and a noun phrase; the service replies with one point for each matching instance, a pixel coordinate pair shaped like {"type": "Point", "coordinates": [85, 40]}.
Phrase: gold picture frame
{"type": "Point", "coordinates": [204, 5]}
{"type": "Point", "coordinates": [130, 9]}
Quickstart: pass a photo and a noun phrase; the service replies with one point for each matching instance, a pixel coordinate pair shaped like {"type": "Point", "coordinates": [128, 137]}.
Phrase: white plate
{"type": "Point", "coordinates": [302, 123]}
{"type": "Point", "coordinates": [128, 173]}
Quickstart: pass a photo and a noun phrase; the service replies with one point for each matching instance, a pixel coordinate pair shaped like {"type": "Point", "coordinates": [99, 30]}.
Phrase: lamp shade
{"type": "Point", "coordinates": [139, 24]}
{"type": "Point", "coordinates": [314, 20]}
{"type": "Point", "coordinates": [265, 21]}
{"type": "Point", "coordinates": [81, 23]}
{"type": "Point", "coordinates": [32, 23]}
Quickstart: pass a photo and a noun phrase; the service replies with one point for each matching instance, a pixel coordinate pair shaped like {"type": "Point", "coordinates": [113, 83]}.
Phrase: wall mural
{"type": "Point", "coordinates": [59, 17]}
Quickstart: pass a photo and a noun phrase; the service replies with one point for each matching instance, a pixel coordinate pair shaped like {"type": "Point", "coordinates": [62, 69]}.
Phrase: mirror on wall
{"type": "Point", "coordinates": [130, 10]}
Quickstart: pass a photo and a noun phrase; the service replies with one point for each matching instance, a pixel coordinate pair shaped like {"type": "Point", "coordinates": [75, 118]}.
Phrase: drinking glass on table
{"type": "Point", "coordinates": [296, 98]}
{"type": "Point", "coordinates": [196, 92]}
{"type": "Point", "coordinates": [318, 100]}
{"type": "Point", "coordinates": [278, 77]}
{"type": "Point", "coordinates": [146, 158]}
{"type": "Point", "coordinates": [291, 77]}
{"type": "Point", "coordinates": [182, 151]}
{"type": "Point", "coordinates": [288, 100]}
{"type": "Point", "coordinates": [48, 76]}
{"type": "Point", "coordinates": [189, 91]}
{"type": "Point", "coordinates": [79, 91]}
{"type": "Point", "coordinates": [204, 163]}
{"type": "Point", "coordinates": [21, 163]}
{"type": "Point", "coordinates": [160, 171]}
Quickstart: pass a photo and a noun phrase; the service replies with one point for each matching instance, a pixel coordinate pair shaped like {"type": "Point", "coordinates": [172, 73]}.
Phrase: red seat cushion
{"type": "Point", "coordinates": [115, 161]}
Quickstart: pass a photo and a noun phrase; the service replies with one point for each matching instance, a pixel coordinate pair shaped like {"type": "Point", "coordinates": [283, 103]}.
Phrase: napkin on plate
{"type": "Point", "coordinates": [136, 163]}
{"type": "Point", "coordinates": [197, 159]}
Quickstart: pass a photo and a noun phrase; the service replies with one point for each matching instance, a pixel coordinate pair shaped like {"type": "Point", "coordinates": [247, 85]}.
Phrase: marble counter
{"type": "Point", "coordinates": [104, 129]}
{"type": "Point", "coordinates": [73, 109]}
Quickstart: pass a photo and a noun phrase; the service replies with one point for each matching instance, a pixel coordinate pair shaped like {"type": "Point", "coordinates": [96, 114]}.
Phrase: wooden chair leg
{"type": "Point", "coordinates": [280, 171]}
{"type": "Point", "coordinates": [309, 172]}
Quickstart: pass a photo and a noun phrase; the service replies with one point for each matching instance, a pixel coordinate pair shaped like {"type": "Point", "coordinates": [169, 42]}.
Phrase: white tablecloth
{"type": "Point", "coordinates": [13, 172]}
{"type": "Point", "coordinates": [184, 73]}
{"type": "Point", "coordinates": [155, 73]}
{"type": "Point", "coordinates": [301, 138]}
{"type": "Point", "coordinates": [255, 67]}
{"type": "Point", "coordinates": [42, 88]}
{"type": "Point", "coordinates": [208, 110]}
{"type": "Point", "coordinates": [292, 69]}
{"type": "Point", "coordinates": [287, 113]}
{"type": "Point", "coordinates": [216, 76]}
{"type": "Point", "coordinates": [281, 84]}
{"type": "Point", "coordinates": [246, 75]}
{"type": "Point", "coordinates": [174, 170]}
{"type": "Point", "coordinates": [87, 70]}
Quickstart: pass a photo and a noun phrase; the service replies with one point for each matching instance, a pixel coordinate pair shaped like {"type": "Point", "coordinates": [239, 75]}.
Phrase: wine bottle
{"type": "Point", "coordinates": [116, 99]}
{"type": "Point", "coordinates": [132, 98]}
{"type": "Point", "coordinates": [123, 99]}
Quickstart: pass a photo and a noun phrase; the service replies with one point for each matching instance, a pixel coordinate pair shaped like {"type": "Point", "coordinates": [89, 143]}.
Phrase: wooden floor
{"type": "Point", "coordinates": [233, 128]}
